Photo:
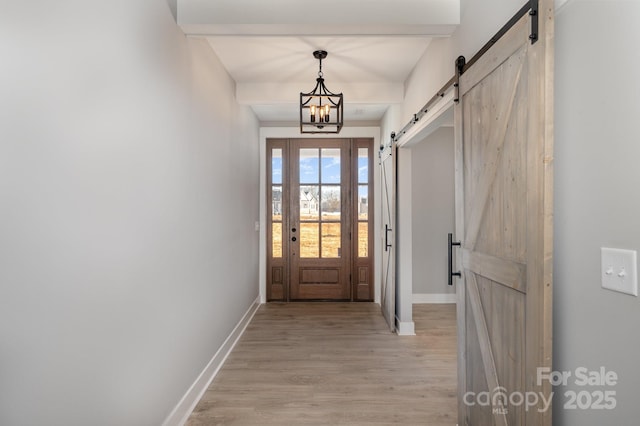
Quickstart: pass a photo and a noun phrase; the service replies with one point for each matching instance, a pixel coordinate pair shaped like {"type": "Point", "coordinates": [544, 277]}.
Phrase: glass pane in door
{"type": "Point", "coordinates": [309, 165]}
{"type": "Point", "coordinates": [331, 240]}
{"type": "Point", "coordinates": [276, 166]}
{"type": "Point", "coordinates": [276, 203]}
{"type": "Point", "coordinates": [363, 239]}
{"type": "Point", "coordinates": [330, 204]}
{"type": "Point", "coordinates": [310, 202]}
{"type": "Point", "coordinates": [276, 237]}
{"type": "Point", "coordinates": [363, 165]}
{"type": "Point", "coordinates": [363, 202]}
{"type": "Point", "coordinates": [330, 170]}
{"type": "Point", "coordinates": [309, 240]}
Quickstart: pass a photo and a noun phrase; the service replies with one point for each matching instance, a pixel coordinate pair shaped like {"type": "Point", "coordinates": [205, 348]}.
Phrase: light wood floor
{"type": "Point", "coordinates": [336, 364]}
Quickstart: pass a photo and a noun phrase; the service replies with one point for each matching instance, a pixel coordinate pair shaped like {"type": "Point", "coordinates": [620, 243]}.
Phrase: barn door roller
{"type": "Point", "coordinates": [533, 12]}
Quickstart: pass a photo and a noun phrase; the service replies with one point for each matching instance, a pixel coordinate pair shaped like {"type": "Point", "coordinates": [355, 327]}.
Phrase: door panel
{"type": "Point", "coordinates": [388, 191]}
{"type": "Point", "coordinates": [319, 251]}
{"type": "Point", "coordinates": [503, 208]}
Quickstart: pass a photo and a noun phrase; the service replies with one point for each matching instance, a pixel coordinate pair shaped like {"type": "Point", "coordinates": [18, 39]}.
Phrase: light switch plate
{"type": "Point", "coordinates": [619, 270]}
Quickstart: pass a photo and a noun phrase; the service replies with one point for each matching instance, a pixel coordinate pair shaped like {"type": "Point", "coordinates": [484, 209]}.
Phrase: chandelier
{"type": "Point", "coordinates": [321, 111]}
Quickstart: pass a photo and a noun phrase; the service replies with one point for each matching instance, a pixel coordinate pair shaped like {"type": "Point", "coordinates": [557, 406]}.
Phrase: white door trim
{"type": "Point", "coordinates": [430, 122]}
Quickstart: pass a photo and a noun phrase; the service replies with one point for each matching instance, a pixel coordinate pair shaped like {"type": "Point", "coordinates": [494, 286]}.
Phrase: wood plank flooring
{"type": "Point", "coordinates": [336, 364]}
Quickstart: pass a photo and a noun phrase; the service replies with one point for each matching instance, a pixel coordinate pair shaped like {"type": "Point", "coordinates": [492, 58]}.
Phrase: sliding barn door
{"type": "Point", "coordinates": [388, 190]}
{"type": "Point", "coordinates": [504, 221]}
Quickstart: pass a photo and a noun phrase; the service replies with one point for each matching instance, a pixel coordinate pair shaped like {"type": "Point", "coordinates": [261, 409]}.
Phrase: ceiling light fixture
{"type": "Point", "coordinates": [321, 111]}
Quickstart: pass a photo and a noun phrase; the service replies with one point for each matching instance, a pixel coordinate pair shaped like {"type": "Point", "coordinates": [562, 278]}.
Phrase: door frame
{"type": "Point", "coordinates": [438, 114]}
{"type": "Point", "coordinates": [261, 224]}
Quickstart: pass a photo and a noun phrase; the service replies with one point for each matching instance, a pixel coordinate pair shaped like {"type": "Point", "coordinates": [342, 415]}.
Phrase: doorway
{"type": "Point", "coordinates": [426, 213]}
{"type": "Point", "coordinates": [431, 191]}
{"type": "Point", "coordinates": [320, 207]}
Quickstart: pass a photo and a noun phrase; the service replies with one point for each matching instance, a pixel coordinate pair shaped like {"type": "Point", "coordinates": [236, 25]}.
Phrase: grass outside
{"type": "Point", "coordinates": [310, 237]}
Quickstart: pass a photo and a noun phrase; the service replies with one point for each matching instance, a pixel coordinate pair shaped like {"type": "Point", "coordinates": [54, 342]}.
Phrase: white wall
{"type": "Point", "coordinates": [128, 195]}
{"type": "Point", "coordinates": [433, 211]}
{"type": "Point", "coordinates": [403, 243]}
{"type": "Point", "coordinates": [597, 200]}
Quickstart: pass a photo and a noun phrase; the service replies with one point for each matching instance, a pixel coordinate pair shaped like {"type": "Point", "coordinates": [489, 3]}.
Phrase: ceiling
{"type": "Point", "coordinates": [267, 47]}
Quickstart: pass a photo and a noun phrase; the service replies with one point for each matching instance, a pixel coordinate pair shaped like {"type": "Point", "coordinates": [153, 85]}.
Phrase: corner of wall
{"type": "Point", "coordinates": [185, 407]}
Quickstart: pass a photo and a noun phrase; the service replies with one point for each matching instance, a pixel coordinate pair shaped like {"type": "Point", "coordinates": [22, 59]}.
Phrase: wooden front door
{"type": "Point", "coordinates": [319, 236]}
{"type": "Point", "coordinates": [504, 220]}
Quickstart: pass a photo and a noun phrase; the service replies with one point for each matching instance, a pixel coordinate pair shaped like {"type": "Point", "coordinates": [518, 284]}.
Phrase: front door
{"type": "Point", "coordinates": [504, 221]}
{"type": "Point", "coordinates": [319, 235]}
{"type": "Point", "coordinates": [319, 225]}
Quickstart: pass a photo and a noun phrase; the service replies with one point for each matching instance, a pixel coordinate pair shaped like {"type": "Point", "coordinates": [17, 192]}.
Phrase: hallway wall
{"type": "Point", "coordinates": [433, 216]}
{"type": "Point", "coordinates": [596, 200]}
{"type": "Point", "coordinates": [128, 196]}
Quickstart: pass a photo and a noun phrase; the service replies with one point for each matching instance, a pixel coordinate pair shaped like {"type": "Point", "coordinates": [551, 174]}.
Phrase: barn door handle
{"type": "Point", "coordinates": [386, 237]}
{"type": "Point", "coordinates": [450, 245]}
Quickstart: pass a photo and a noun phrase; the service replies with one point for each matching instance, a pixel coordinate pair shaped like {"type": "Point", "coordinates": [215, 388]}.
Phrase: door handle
{"type": "Point", "coordinates": [450, 244]}
{"type": "Point", "coordinates": [386, 237]}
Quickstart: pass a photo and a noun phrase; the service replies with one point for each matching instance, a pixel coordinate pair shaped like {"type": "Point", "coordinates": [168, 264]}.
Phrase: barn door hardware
{"type": "Point", "coordinates": [450, 245]}
{"type": "Point", "coordinates": [460, 63]}
{"type": "Point", "coordinates": [386, 237]}
{"type": "Point", "coordinates": [534, 21]}
{"type": "Point", "coordinates": [531, 7]}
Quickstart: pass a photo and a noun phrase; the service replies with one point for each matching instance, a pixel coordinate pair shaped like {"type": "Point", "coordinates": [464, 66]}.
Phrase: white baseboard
{"type": "Point", "coordinates": [405, 328]}
{"type": "Point", "coordinates": [434, 298]}
{"type": "Point", "coordinates": [182, 411]}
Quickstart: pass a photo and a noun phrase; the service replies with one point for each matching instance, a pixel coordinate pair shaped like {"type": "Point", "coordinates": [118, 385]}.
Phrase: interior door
{"type": "Point", "coordinates": [388, 190]}
{"type": "Point", "coordinates": [504, 221]}
{"type": "Point", "coordinates": [320, 225]}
